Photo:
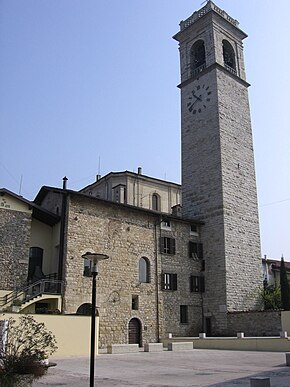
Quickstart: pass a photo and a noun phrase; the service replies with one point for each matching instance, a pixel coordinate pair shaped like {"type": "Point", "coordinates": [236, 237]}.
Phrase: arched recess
{"type": "Point", "coordinates": [197, 57]}
{"type": "Point", "coordinates": [144, 270]}
{"type": "Point", "coordinates": [229, 56]}
{"type": "Point", "coordinates": [155, 202]}
{"type": "Point", "coordinates": [135, 331]}
{"type": "Point", "coordinates": [86, 310]}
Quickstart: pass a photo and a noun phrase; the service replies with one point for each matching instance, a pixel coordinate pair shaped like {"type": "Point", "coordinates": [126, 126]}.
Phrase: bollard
{"type": "Point", "coordinates": [283, 335]}
{"type": "Point", "coordinates": [260, 382]}
{"type": "Point", "coordinates": [240, 335]}
{"type": "Point", "coordinates": [202, 335]}
{"type": "Point", "coordinates": [287, 358]}
{"type": "Point", "coordinates": [170, 335]}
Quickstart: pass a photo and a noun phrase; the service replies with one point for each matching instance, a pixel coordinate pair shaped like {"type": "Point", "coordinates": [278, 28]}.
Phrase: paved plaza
{"type": "Point", "coordinates": [187, 368]}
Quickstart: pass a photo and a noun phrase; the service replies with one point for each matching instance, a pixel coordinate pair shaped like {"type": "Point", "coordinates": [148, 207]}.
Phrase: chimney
{"type": "Point", "coordinates": [98, 177]}
{"type": "Point", "coordinates": [64, 180]}
{"type": "Point", "coordinates": [139, 170]}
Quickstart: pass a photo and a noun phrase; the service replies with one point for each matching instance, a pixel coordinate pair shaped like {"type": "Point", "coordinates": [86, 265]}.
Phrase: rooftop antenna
{"type": "Point", "coordinates": [20, 185]}
{"type": "Point", "coordinates": [99, 166]}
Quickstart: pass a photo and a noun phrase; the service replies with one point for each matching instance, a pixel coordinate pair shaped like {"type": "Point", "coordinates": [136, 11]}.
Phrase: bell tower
{"type": "Point", "coordinates": [218, 172]}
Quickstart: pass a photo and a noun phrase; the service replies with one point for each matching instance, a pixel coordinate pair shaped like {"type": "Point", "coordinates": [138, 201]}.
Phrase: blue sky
{"type": "Point", "coordinates": [89, 86]}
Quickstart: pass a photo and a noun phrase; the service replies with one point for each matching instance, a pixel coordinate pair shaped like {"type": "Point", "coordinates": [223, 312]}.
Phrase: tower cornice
{"type": "Point", "coordinates": [210, 68]}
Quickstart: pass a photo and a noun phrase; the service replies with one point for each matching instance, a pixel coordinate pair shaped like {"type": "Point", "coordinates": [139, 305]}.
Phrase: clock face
{"type": "Point", "coordinates": [199, 98]}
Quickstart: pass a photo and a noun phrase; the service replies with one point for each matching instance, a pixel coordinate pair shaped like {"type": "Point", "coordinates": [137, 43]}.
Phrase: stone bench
{"type": "Point", "coordinates": [260, 382]}
{"type": "Point", "coordinates": [122, 348]}
{"type": "Point", "coordinates": [153, 347]}
{"type": "Point", "coordinates": [180, 346]}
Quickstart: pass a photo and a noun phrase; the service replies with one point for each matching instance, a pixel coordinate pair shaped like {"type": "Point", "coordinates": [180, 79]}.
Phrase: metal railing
{"type": "Point", "coordinates": [25, 294]}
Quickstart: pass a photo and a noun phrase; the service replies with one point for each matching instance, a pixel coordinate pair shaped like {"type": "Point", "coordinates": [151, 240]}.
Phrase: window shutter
{"type": "Point", "coordinates": [174, 281]}
{"type": "Point", "coordinates": [162, 281]}
{"type": "Point", "coordinates": [190, 249]}
{"type": "Point", "coordinates": [161, 244]}
{"type": "Point", "coordinates": [191, 283]}
{"type": "Point", "coordinates": [172, 246]}
{"type": "Point", "coordinates": [200, 250]}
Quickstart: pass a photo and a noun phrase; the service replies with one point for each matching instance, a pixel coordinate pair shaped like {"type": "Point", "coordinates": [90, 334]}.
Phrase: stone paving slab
{"type": "Point", "coordinates": [213, 368]}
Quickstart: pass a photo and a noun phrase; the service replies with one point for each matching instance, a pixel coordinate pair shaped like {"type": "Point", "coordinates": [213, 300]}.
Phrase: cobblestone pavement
{"type": "Point", "coordinates": [213, 368]}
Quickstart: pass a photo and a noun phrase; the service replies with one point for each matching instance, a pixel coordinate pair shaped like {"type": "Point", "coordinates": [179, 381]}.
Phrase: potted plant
{"type": "Point", "coordinates": [26, 346]}
{"type": "Point", "coordinates": [16, 305]}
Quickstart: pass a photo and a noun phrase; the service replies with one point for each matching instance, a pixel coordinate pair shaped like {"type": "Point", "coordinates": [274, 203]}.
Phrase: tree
{"type": "Point", "coordinates": [271, 296]}
{"type": "Point", "coordinates": [285, 291]}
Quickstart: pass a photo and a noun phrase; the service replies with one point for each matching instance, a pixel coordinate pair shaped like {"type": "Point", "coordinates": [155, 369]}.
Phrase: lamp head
{"type": "Point", "coordinates": [94, 258]}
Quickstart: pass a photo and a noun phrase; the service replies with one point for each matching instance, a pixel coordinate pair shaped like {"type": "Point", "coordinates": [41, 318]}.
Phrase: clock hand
{"type": "Point", "coordinates": [195, 96]}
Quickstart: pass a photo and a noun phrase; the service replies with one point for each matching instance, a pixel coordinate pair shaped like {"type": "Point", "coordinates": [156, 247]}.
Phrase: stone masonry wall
{"type": "Point", "coordinates": [259, 323]}
{"type": "Point", "coordinates": [125, 235]}
{"type": "Point", "coordinates": [14, 248]}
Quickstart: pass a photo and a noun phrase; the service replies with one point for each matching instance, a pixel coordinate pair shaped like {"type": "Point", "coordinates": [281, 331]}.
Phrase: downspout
{"type": "Point", "coordinates": [62, 233]}
{"type": "Point", "coordinates": [157, 281]}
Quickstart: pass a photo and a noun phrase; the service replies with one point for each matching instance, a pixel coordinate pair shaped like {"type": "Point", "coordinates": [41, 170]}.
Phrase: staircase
{"type": "Point", "coordinates": [32, 291]}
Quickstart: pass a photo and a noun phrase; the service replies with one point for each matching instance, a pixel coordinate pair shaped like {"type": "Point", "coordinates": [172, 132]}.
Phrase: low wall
{"type": "Point", "coordinates": [255, 323]}
{"type": "Point", "coordinates": [285, 318]}
{"type": "Point", "coordinates": [267, 344]}
{"type": "Point", "coordinates": [73, 333]}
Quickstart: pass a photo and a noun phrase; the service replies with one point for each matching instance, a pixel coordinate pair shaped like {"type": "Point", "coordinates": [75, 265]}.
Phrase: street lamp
{"type": "Point", "coordinates": [94, 258]}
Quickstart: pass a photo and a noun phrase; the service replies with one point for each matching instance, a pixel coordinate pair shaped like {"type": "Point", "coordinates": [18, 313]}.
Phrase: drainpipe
{"type": "Point", "coordinates": [157, 279]}
{"type": "Point", "coordinates": [62, 230]}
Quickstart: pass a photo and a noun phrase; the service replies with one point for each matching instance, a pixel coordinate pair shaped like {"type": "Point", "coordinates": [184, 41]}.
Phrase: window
{"type": "Point", "coordinates": [35, 263]}
{"type": "Point", "coordinates": [135, 302]}
{"type": "Point", "coordinates": [165, 224]}
{"type": "Point", "coordinates": [183, 314]}
{"type": "Point", "coordinates": [196, 284]}
{"type": "Point", "coordinates": [144, 270]}
{"type": "Point", "coordinates": [168, 281]}
{"type": "Point", "coordinates": [87, 268]}
{"type": "Point", "coordinates": [155, 202]}
{"type": "Point", "coordinates": [193, 230]}
{"type": "Point", "coordinates": [195, 250]}
{"type": "Point", "coordinates": [197, 57]}
{"type": "Point", "coordinates": [229, 57]}
{"type": "Point", "coordinates": [167, 245]}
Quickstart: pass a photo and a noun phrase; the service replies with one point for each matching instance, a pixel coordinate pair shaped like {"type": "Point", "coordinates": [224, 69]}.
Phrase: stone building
{"type": "Point", "coordinates": [171, 269]}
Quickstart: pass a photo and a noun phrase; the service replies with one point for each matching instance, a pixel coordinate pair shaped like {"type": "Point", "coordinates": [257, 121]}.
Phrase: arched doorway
{"type": "Point", "coordinates": [135, 332]}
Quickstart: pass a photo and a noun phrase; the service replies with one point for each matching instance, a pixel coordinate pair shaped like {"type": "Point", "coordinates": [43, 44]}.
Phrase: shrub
{"type": "Point", "coordinates": [28, 343]}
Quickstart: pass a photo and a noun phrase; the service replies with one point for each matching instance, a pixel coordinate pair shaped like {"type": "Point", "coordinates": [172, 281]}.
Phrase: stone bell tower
{"type": "Point", "coordinates": [218, 172]}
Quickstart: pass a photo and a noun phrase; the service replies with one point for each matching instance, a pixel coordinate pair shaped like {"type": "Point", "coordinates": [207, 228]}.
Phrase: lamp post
{"type": "Point", "coordinates": [94, 258]}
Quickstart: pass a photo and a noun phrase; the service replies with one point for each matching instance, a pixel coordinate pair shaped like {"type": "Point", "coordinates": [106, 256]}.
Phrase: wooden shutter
{"type": "Point", "coordinates": [174, 281]}
{"type": "Point", "coordinates": [172, 246]}
{"type": "Point", "coordinates": [200, 250]}
{"type": "Point", "coordinates": [162, 244]}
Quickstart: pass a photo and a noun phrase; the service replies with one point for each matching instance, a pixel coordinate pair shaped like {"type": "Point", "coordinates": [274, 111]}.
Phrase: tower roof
{"type": "Point", "coordinates": [210, 6]}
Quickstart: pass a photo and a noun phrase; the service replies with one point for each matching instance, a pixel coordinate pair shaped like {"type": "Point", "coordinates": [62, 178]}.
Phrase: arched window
{"type": "Point", "coordinates": [144, 270]}
{"type": "Point", "coordinates": [35, 263]}
{"type": "Point", "coordinates": [197, 57]}
{"type": "Point", "coordinates": [155, 202]}
{"type": "Point", "coordinates": [229, 56]}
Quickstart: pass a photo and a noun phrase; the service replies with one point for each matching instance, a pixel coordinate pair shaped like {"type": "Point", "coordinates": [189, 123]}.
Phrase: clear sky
{"type": "Point", "coordinates": [89, 86]}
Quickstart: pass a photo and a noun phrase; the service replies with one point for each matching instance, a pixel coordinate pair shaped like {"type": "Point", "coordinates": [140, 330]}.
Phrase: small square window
{"type": "Point", "coordinates": [194, 230]}
{"type": "Point", "coordinates": [135, 302]}
{"type": "Point", "coordinates": [166, 224]}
